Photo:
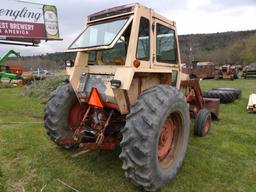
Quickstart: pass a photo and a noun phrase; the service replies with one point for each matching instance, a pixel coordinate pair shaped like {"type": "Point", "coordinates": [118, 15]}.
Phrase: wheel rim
{"type": "Point", "coordinates": [168, 141]}
{"type": "Point", "coordinates": [207, 125]}
{"type": "Point", "coordinates": [75, 115]}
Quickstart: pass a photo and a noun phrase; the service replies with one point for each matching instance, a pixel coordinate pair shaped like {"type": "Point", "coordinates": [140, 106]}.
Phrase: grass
{"type": "Point", "coordinates": [224, 160]}
{"type": "Point", "coordinates": [42, 89]}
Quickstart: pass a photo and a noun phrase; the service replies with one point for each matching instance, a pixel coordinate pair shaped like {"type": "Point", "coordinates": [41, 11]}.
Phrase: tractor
{"type": "Point", "coordinates": [226, 72]}
{"type": "Point", "coordinates": [125, 89]}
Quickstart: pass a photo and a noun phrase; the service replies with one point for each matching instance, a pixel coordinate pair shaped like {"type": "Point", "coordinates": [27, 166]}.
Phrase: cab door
{"type": "Point", "coordinates": [165, 48]}
{"type": "Point", "coordinates": [165, 52]}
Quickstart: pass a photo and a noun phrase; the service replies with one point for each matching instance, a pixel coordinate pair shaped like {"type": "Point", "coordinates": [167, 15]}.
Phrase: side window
{"type": "Point", "coordinates": [143, 40]}
{"type": "Point", "coordinates": [165, 44]}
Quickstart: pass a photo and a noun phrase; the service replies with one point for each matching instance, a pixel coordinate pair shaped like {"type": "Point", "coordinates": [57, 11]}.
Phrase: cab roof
{"type": "Point", "coordinates": [123, 10]}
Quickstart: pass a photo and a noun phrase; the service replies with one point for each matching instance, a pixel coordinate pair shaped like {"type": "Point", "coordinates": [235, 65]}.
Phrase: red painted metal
{"type": "Point", "coordinates": [207, 125]}
{"type": "Point", "coordinates": [165, 139]}
{"type": "Point", "coordinates": [212, 105]}
{"type": "Point", "coordinates": [75, 115]}
{"type": "Point", "coordinates": [193, 96]}
{"type": "Point", "coordinates": [205, 71]}
{"type": "Point", "coordinates": [225, 72]}
{"type": "Point", "coordinates": [18, 70]}
{"type": "Point", "coordinates": [195, 99]}
{"type": "Point", "coordinates": [109, 143]}
{"type": "Point", "coordinates": [66, 141]}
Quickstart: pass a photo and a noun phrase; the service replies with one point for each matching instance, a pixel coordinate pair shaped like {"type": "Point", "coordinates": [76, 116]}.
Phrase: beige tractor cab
{"type": "Point", "coordinates": [123, 90]}
{"type": "Point", "coordinates": [127, 42]}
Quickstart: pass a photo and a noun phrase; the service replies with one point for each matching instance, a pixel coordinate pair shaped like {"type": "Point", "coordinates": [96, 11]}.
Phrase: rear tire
{"type": "Point", "coordinates": [155, 137]}
{"type": "Point", "coordinates": [202, 123]}
{"type": "Point", "coordinates": [224, 96]}
{"type": "Point", "coordinates": [60, 108]}
{"type": "Point", "coordinates": [237, 92]}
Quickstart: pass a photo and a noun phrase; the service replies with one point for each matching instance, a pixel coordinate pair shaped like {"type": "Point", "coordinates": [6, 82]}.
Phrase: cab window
{"type": "Point", "coordinates": [117, 54]}
{"type": "Point", "coordinates": [142, 52]}
{"type": "Point", "coordinates": [165, 45]}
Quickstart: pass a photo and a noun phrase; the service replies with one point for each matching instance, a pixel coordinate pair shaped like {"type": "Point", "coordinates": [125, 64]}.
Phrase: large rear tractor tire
{"type": "Point", "coordinates": [202, 123]}
{"type": "Point", "coordinates": [237, 92]}
{"type": "Point", "coordinates": [224, 96]}
{"type": "Point", "coordinates": [155, 137]}
{"type": "Point", "coordinates": [63, 114]}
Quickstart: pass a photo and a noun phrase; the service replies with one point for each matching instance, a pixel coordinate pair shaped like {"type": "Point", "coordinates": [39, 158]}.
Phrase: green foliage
{"type": "Point", "coordinates": [248, 55]}
{"type": "Point", "coordinates": [244, 50]}
{"type": "Point", "coordinates": [235, 52]}
{"type": "Point", "coordinates": [43, 88]}
{"type": "Point", "coordinates": [223, 161]}
{"type": "Point", "coordinates": [221, 48]}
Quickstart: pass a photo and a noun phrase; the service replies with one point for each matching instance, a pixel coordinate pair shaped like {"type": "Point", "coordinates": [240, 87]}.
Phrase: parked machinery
{"type": "Point", "coordinates": [226, 72]}
{"type": "Point", "coordinates": [250, 71]}
{"type": "Point", "coordinates": [202, 70]}
{"type": "Point", "coordinates": [9, 73]}
{"type": "Point", "coordinates": [125, 89]}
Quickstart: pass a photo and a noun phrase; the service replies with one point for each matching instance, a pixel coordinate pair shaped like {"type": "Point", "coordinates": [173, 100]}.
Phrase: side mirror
{"type": "Point", "coordinates": [69, 63]}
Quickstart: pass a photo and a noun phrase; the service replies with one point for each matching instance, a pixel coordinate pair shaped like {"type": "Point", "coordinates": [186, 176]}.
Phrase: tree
{"type": "Point", "coordinates": [248, 55]}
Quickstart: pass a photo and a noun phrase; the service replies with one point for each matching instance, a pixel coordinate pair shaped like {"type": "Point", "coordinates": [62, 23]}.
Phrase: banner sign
{"type": "Point", "coordinates": [28, 21]}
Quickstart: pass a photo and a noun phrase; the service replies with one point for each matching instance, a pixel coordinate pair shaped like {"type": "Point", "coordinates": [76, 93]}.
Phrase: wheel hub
{"type": "Point", "coordinates": [207, 125]}
{"type": "Point", "coordinates": [75, 116]}
{"type": "Point", "coordinates": [165, 139]}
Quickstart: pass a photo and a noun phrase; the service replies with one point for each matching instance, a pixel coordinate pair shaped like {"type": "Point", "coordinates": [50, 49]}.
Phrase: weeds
{"type": "Point", "coordinates": [43, 88]}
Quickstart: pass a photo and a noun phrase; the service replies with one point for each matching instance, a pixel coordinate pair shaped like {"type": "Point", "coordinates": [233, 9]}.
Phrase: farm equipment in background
{"type": "Point", "coordinates": [250, 71]}
{"type": "Point", "coordinates": [15, 74]}
{"type": "Point", "coordinates": [226, 72]}
{"type": "Point", "coordinates": [10, 73]}
{"type": "Point", "coordinates": [201, 70]}
{"type": "Point", "coordinates": [124, 90]}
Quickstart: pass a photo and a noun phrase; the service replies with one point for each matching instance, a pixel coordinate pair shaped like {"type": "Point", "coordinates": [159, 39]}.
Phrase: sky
{"type": "Point", "coordinates": [191, 16]}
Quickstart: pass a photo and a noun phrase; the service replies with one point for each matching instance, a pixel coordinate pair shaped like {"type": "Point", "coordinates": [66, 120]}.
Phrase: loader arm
{"type": "Point", "coordinates": [7, 55]}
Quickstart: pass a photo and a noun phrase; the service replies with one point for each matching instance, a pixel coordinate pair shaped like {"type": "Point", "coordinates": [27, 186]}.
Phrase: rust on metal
{"type": "Point", "coordinates": [75, 115]}
{"type": "Point", "coordinates": [226, 72]}
{"type": "Point", "coordinates": [207, 125]}
{"type": "Point", "coordinates": [202, 70]}
{"type": "Point", "coordinates": [193, 94]}
{"type": "Point", "coordinates": [100, 137]}
{"type": "Point", "coordinates": [165, 139]}
{"type": "Point", "coordinates": [212, 105]}
{"type": "Point", "coordinates": [108, 144]}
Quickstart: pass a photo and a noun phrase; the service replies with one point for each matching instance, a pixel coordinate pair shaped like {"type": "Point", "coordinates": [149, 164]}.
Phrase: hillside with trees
{"type": "Point", "coordinates": [220, 48]}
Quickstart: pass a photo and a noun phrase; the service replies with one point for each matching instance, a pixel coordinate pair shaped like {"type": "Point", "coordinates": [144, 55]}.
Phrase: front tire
{"type": "Point", "coordinates": [155, 137]}
{"type": "Point", "coordinates": [202, 123]}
